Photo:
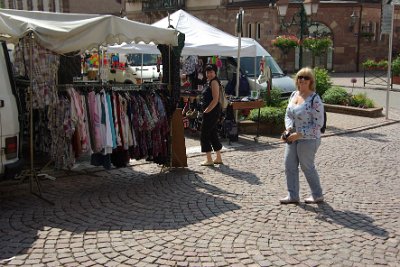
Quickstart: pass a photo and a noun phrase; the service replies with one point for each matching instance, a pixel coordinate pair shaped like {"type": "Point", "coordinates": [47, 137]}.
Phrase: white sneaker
{"type": "Point", "coordinates": [312, 200]}
{"type": "Point", "coordinates": [288, 200]}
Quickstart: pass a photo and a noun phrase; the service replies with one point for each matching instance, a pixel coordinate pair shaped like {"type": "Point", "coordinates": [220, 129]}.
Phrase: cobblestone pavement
{"type": "Point", "coordinates": [215, 216]}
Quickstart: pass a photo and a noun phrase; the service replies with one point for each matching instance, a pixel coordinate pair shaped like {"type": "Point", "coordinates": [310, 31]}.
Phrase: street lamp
{"type": "Point", "coordinates": [353, 20]}
{"type": "Point", "coordinates": [301, 18]}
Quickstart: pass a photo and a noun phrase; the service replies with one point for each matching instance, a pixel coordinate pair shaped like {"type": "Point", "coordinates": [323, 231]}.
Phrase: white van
{"type": "Point", "coordinates": [279, 78]}
{"type": "Point", "coordinates": [136, 69]}
{"type": "Point", "coordinates": [10, 163]}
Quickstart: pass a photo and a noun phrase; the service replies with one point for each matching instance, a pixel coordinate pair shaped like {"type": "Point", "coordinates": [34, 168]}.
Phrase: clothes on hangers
{"type": "Point", "coordinates": [120, 125]}
{"type": "Point", "coordinates": [45, 65]}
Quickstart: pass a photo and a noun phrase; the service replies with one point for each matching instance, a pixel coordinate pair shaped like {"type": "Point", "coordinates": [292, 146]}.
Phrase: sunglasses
{"type": "Point", "coordinates": [306, 78]}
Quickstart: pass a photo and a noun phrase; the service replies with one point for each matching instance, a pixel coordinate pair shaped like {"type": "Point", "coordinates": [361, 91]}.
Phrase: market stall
{"type": "Point", "coordinates": [67, 109]}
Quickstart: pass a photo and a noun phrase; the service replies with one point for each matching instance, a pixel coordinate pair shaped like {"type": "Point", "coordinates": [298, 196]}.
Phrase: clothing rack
{"type": "Point", "coordinates": [34, 175]}
{"type": "Point", "coordinates": [114, 87]}
{"type": "Point", "coordinates": [31, 173]}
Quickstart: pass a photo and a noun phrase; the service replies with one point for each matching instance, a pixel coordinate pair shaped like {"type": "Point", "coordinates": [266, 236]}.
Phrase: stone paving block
{"type": "Point", "coordinates": [226, 216]}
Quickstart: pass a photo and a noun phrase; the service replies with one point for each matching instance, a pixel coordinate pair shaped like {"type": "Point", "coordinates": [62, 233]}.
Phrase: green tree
{"type": "Point", "coordinates": [322, 80]}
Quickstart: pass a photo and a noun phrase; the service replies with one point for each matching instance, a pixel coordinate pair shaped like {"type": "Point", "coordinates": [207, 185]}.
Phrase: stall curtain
{"type": "Point", "coordinates": [173, 69]}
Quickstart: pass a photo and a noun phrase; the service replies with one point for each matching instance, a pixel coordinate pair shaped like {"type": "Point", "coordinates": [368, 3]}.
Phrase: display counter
{"type": "Point", "coordinates": [237, 105]}
{"type": "Point", "coordinates": [256, 104]}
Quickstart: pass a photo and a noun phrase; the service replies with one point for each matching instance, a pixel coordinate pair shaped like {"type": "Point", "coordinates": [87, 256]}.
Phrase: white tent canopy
{"type": "Point", "coordinates": [131, 48]}
{"type": "Point", "coordinates": [201, 39]}
{"type": "Point", "coordinates": [65, 32]}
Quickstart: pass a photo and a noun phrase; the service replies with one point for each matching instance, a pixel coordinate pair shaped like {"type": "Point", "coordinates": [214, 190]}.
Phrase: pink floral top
{"type": "Point", "coordinates": [305, 118]}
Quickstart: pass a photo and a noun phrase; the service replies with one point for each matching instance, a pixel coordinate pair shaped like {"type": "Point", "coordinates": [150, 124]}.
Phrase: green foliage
{"type": "Point", "coordinates": [286, 41]}
{"type": "Point", "coordinates": [337, 96]}
{"type": "Point", "coordinates": [367, 34]}
{"type": "Point", "coordinates": [383, 64]}
{"type": "Point", "coordinates": [396, 66]}
{"type": "Point", "coordinates": [317, 46]}
{"type": "Point", "coordinates": [274, 115]}
{"type": "Point", "coordinates": [274, 99]}
{"type": "Point", "coordinates": [371, 64]}
{"type": "Point", "coordinates": [362, 101]}
{"type": "Point", "coordinates": [322, 80]}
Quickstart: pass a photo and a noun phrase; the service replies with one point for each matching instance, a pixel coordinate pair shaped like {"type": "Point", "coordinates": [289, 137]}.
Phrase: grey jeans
{"type": "Point", "coordinates": [302, 152]}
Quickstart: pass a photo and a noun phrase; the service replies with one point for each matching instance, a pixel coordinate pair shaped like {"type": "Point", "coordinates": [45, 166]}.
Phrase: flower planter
{"type": "Point", "coordinates": [396, 79]}
{"type": "Point", "coordinates": [365, 112]}
{"type": "Point", "coordinates": [266, 128]}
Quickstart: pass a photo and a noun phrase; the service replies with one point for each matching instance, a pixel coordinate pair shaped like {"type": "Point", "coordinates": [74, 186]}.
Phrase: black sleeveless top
{"type": "Point", "coordinates": [206, 94]}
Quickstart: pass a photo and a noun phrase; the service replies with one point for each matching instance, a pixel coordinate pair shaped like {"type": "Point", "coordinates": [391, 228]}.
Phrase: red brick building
{"type": "Point", "coordinates": [67, 6]}
{"type": "Point", "coordinates": [354, 26]}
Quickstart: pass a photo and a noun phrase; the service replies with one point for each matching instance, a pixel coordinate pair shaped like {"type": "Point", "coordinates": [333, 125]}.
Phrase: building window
{"type": "Point", "coordinates": [258, 31]}
{"type": "Point", "coordinates": [249, 30]}
{"type": "Point", "coordinates": [40, 5]}
{"type": "Point", "coordinates": [30, 5]}
{"type": "Point", "coordinates": [20, 5]}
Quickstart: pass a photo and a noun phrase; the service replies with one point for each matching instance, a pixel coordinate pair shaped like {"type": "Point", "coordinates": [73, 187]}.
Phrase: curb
{"type": "Point", "coordinates": [367, 88]}
{"type": "Point", "coordinates": [325, 135]}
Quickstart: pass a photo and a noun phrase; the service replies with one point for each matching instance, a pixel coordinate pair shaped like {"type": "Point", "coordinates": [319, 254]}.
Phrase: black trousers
{"type": "Point", "coordinates": [209, 139]}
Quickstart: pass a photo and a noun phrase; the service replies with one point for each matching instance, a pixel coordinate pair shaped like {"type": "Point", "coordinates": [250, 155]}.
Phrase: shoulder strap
{"type": "Point", "coordinates": [312, 99]}
{"type": "Point", "coordinates": [292, 95]}
{"type": "Point", "coordinates": [216, 79]}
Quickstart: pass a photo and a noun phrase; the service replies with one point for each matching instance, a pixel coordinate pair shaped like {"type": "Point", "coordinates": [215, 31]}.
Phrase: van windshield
{"type": "Point", "coordinates": [247, 64]}
{"type": "Point", "coordinates": [136, 59]}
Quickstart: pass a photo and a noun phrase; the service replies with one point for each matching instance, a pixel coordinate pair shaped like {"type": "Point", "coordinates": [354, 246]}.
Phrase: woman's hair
{"type": "Point", "coordinates": [306, 71]}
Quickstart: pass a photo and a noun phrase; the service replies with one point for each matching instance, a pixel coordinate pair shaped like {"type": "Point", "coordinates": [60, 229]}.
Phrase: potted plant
{"type": "Point", "coordinates": [371, 64]}
{"type": "Point", "coordinates": [285, 42]}
{"type": "Point", "coordinates": [396, 70]}
{"type": "Point", "coordinates": [317, 46]}
{"type": "Point", "coordinates": [367, 35]}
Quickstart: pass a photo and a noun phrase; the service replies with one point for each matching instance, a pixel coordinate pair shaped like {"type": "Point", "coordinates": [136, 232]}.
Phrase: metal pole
{"type": "Point", "coordinates": [389, 64]}
{"type": "Point", "coordinates": [358, 39]}
{"type": "Point", "coordinates": [302, 26]}
{"type": "Point", "coordinates": [31, 154]}
{"type": "Point", "coordinates": [240, 18]}
{"type": "Point", "coordinates": [141, 71]}
{"type": "Point", "coordinates": [238, 67]}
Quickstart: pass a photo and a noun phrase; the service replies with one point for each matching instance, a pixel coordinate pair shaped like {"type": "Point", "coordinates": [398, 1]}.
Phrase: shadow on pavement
{"type": "Point", "coordinates": [370, 136]}
{"type": "Point", "coordinates": [248, 177]}
{"type": "Point", "coordinates": [115, 200]}
{"type": "Point", "coordinates": [349, 219]}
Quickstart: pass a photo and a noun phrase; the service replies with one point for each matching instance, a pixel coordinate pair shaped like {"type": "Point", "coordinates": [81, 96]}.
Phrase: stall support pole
{"type": "Point", "coordinates": [164, 168]}
{"type": "Point", "coordinates": [33, 178]}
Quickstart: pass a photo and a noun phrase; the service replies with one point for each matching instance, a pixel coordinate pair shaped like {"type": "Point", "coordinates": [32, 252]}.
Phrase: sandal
{"type": "Point", "coordinates": [218, 162]}
{"type": "Point", "coordinates": [207, 163]}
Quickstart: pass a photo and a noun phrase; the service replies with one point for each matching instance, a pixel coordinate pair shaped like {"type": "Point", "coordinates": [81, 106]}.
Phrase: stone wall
{"type": "Point", "coordinates": [350, 48]}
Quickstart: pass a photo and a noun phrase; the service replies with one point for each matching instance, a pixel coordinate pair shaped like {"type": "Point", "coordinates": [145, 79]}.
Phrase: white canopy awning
{"type": "Point", "coordinates": [131, 48]}
{"type": "Point", "coordinates": [65, 32]}
{"type": "Point", "coordinates": [201, 39]}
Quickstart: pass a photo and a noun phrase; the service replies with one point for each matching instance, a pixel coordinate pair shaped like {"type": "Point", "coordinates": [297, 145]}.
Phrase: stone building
{"type": "Point", "coordinates": [354, 26]}
{"type": "Point", "coordinates": [67, 6]}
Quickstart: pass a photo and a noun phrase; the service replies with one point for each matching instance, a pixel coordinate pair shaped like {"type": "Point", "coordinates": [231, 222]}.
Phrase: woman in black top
{"type": "Point", "coordinates": [211, 112]}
